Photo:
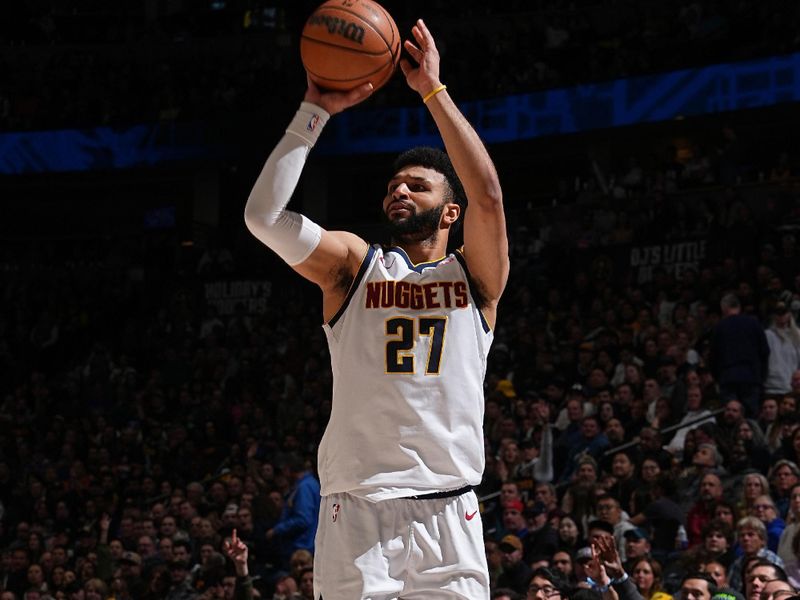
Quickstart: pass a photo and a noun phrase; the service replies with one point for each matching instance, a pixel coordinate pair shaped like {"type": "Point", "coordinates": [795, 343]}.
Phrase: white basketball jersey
{"type": "Point", "coordinates": [408, 351]}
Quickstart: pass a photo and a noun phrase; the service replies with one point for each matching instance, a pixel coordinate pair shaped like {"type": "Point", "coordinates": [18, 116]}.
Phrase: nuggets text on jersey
{"type": "Point", "coordinates": [403, 294]}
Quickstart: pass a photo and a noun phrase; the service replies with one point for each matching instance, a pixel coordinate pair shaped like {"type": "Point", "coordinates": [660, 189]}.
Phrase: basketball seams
{"type": "Point", "coordinates": [308, 38]}
{"type": "Point", "coordinates": [395, 31]}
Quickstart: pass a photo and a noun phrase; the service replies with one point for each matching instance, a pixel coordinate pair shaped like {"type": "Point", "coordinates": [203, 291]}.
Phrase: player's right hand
{"type": "Point", "coordinates": [336, 102]}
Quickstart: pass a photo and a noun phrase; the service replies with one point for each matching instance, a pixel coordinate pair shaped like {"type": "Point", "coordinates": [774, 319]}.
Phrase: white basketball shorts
{"type": "Point", "coordinates": [400, 549]}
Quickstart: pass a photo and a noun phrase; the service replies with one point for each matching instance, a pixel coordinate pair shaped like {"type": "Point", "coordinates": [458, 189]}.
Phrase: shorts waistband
{"type": "Point", "coordinates": [439, 495]}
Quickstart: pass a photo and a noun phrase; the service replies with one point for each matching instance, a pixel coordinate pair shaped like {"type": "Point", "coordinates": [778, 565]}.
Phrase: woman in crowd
{"type": "Point", "coordinates": [646, 574]}
{"type": "Point", "coordinates": [569, 535]}
{"type": "Point", "coordinates": [753, 486]}
{"type": "Point", "coordinates": [785, 550]}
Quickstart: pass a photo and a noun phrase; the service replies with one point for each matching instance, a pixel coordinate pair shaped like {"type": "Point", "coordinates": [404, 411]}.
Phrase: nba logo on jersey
{"type": "Point", "coordinates": [335, 512]}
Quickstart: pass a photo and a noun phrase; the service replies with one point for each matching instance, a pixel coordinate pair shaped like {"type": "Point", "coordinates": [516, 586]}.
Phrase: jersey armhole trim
{"type": "Point", "coordinates": [472, 290]}
{"type": "Point", "coordinates": [354, 285]}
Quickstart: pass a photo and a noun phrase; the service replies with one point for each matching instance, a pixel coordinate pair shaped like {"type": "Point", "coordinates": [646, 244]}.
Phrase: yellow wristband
{"type": "Point", "coordinates": [433, 92]}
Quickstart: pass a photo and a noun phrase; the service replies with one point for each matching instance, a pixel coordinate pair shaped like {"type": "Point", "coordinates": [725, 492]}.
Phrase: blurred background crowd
{"type": "Point", "coordinates": [85, 63]}
{"type": "Point", "coordinates": [160, 390]}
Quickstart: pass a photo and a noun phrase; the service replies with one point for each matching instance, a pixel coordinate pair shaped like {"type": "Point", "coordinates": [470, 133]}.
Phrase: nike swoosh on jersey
{"type": "Point", "coordinates": [469, 516]}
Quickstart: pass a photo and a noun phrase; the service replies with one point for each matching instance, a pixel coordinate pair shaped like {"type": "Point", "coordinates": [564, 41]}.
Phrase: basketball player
{"type": "Point", "coordinates": [409, 329]}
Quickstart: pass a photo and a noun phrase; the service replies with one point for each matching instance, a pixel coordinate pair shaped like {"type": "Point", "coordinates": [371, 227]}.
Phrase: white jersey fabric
{"type": "Point", "coordinates": [408, 351]}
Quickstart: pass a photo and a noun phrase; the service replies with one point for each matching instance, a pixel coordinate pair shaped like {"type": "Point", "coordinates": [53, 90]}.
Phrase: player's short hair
{"type": "Point", "coordinates": [433, 158]}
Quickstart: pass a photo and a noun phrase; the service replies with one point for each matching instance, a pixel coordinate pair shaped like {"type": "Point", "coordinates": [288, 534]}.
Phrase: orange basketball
{"type": "Point", "coordinates": [346, 43]}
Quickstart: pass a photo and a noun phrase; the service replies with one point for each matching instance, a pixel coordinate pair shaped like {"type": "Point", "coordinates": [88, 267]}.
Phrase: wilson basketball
{"type": "Point", "coordinates": [346, 43]}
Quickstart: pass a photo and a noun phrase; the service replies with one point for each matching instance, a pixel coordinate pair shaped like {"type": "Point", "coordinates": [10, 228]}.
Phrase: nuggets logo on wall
{"type": "Point", "coordinates": [335, 512]}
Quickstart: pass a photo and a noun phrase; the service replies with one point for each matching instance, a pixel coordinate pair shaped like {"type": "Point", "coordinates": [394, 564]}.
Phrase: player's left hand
{"type": "Point", "coordinates": [425, 76]}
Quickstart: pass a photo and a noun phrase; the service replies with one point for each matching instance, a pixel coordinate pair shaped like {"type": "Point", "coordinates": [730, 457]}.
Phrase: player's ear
{"type": "Point", "coordinates": [450, 213]}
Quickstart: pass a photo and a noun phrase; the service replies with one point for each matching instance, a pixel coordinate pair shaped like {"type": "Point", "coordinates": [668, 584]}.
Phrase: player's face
{"type": "Point", "coordinates": [414, 202]}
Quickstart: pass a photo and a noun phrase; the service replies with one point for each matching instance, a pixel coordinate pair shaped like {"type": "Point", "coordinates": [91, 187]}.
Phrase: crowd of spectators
{"type": "Point", "coordinates": [83, 63]}
{"type": "Point", "coordinates": [142, 422]}
{"type": "Point", "coordinates": [158, 443]}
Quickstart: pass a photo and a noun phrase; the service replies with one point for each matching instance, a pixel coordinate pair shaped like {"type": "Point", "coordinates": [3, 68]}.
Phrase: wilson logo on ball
{"type": "Point", "coordinates": [334, 25]}
{"type": "Point", "coordinates": [347, 43]}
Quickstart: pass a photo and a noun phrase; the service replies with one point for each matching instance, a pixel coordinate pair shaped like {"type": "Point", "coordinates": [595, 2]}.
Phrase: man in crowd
{"type": "Point", "coordinates": [752, 537]}
{"type": "Point", "coordinates": [739, 355]}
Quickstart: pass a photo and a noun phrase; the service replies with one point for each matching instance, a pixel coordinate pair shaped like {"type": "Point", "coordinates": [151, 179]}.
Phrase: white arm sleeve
{"type": "Point", "coordinates": [292, 236]}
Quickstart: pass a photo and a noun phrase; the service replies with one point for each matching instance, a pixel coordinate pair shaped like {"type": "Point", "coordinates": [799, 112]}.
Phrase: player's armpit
{"type": "Point", "coordinates": [332, 266]}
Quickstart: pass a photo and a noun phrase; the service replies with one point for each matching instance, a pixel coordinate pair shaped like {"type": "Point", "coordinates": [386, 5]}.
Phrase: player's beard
{"type": "Point", "coordinates": [417, 227]}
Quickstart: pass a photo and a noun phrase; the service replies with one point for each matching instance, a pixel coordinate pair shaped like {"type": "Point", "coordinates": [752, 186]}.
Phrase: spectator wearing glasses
{"type": "Point", "coordinates": [547, 584]}
{"type": "Point", "coordinates": [609, 510]}
{"type": "Point", "coordinates": [765, 510]}
{"type": "Point", "coordinates": [777, 589]}
{"type": "Point", "coordinates": [758, 575]}
{"type": "Point", "coordinates": [783, 476]}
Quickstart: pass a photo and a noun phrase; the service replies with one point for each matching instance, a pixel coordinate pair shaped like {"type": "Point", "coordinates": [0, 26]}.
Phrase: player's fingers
{"type": "Point", "coordinates": [425, 34]}
{"type": "Point", "coordinates": [360, 93]}
{"type": "Point", "coordinates": [415, 52]}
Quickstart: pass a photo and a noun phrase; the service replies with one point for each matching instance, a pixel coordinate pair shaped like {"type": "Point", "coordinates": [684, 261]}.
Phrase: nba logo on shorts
{"type": "Point", "coordinates": [335, 512]}
{"type": "Point", "coordinates": [313, 122]}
